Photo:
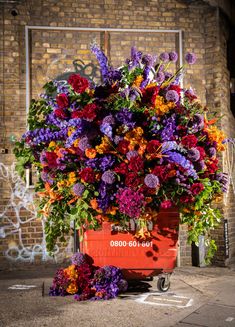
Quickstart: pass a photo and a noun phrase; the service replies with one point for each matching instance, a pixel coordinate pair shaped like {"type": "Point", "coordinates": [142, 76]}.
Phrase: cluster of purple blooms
{"type": "Point", "coordinates": [89, 283]}
{"type": "Point", "coordinates": [132, 143]}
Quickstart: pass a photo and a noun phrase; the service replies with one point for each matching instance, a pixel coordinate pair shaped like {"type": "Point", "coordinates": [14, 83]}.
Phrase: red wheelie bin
{"type": "Point", "coordinates": [137, 259]}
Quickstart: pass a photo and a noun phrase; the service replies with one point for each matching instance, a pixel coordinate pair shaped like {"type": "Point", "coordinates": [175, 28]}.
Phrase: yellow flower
{"type": "Point", "coordinates": [61, 184]}
{"type": "Point", "coordinates": [76, 142]}
{"type": "Point", "coordinates": [150, 85]}
{"type": "Point", "coordinates": [52, 144]}
{"type": "Point", "coordinates": [72, 178]}
{"type": "Point", "coordinates": [138, 81]}
{"type": "Point", "coordinates": [104, 146]}
{"type": "Point", "coordinates": [71, 130]}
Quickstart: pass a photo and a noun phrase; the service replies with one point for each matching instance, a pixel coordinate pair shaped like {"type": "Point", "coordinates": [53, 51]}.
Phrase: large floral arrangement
{"type": "Point", "coordinates": [86, 282]}
{"type": "Point", "coordinates": [121, 149]}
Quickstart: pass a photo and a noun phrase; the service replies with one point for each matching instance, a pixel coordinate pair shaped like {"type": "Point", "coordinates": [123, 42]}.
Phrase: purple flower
{"type": "Point", "coordinates": [173, 56]}
{"type": "Point", "coordinates": [108, 120]}
{"type": "Point", "coordinates": [223, 179]}
{"type": "Point", "coordinates": [135, 58]}
{"type": "Point", "coordinates": [108, 177]}
{"type": "Point", "coordinates": [148, 60]}
{"type": "Point", "coordinates": [133, 94]}
{"type": "Point", "coordinates": [146, 72]}
{"type": "Point", "coordinates": [122, 285]}
{"type": "Point", "coordinates": [167, 134]}
{"type": "Point", "coordinates": [172, 95]}
{"type": "Point", "coordinates": [131, 154]}
{"type": "Point", "coordinates": [125, 117]}
{"type": "Point", "coordinates": [160, 77]}
{"type": "Point", "coordinates": [200, 165]}
{"type": "Point", "coordinates": [106, 129]}
{"type": "Point", "coordinates": [212, 152]}
{"type": "Point", "coordinates": [84, 143]}
{"type": "Point", "coordinates": [168, 75]}
{"type": "Point", "coordinates": [106, 162]}
{"type": "Point", "coordinates": [117, 139]}
{"type": "Point", "coordinates": [179, 159]}
{"type": "Point", "coordinates": [190, 58]}
{"type": "Point", "coordinates": [151, 181]}
{"type": "Point", "coordinates": [193, 154]}
{"type": "Point", "coordinates": [102, 59]}
{"type": "Point", "coordinates": [78, 259]}
{"type": "Point", "coordinates": [46, 178]}
{"type": "Point", "coordinates": [198, 122]}
{"type": "Point", "coordinates": [164, 57]}
{"type": "Point", "coordinates": [78, 189]}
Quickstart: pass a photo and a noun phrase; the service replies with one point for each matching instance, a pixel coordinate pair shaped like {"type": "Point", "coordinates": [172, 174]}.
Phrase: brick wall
{"type": "Point", "coordinates": [52, 52]}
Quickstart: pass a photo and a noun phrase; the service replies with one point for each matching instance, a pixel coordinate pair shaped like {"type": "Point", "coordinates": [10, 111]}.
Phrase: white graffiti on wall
{"type": "Point", "coordinates": [19, 198]}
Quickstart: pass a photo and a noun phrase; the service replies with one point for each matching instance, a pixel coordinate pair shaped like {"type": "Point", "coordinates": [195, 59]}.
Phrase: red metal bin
{"type": "Point", "coordinates": [137, 260]}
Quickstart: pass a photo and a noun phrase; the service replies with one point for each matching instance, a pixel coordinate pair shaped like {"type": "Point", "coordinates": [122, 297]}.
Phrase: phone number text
{"type": "Point", "coordinates": [130, 244]}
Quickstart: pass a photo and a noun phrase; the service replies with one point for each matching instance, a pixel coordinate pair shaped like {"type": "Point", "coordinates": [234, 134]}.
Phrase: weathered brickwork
{"type": "Point", "coordinates": [52, 52]}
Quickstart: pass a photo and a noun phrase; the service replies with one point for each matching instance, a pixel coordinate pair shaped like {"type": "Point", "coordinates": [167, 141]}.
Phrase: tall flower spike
{"type": "Point", "coordinates": [102, 59]}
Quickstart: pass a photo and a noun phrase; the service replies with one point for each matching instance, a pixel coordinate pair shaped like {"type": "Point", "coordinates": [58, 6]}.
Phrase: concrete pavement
{"type": "Point", "coordinates": [197, 297]}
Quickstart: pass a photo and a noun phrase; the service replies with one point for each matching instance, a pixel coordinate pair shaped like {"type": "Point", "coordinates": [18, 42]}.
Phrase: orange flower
{"type": "Point", "coordinates": [54, 196]}
{"type": "Point", "coordinates": [215, 135]}
{"type": "Point", "coordinates": [138, 81]}
{"type": "Point", "coordinates": [94, 204]}
{"type": "Point", "coordinates": [90, 153]}
{"type": "Point", "coordinates": [104, 146]}
{"type": "Point", "coordinates": [161, 107]}
{"type": "Point", "coordinates": [72, 288]}
{"type": "Point", "coordinates": [112, 211]}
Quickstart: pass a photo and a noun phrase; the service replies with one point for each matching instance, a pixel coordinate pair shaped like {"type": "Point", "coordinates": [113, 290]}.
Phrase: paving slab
{"type": "Point", "coordinates": [212, 315]}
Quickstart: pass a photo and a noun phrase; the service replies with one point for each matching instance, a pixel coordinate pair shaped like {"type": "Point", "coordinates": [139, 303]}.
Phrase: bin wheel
{"type": "Point", "coordinates": [163, 284]}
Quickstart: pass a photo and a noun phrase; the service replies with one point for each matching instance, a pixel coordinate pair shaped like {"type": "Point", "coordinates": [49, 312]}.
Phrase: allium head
{"type": "Point", "coordinates": [173, 56]}
{"type": "Point", "coordinates": [172, 96]}
{"type": "Point", "coordinates": [78, 259]}
{"type": "Point", "coordinates": [108, 177]}
{"type": "Point", "coordinates": [83, 143]}
{"type": "Point", "coordinates": [160, 77]}
{"type": "Point", "coordinates": [193, 154]}
{"type": "Point", "coordinates": [164, 56]}
{"type": "Point", "coordinates": [167, 75]}
{"type": "Point", "coordinates": [78, 189]}
{"type": "Point", "coordinates": [148, 60]}
{"type": "Point", "coordinates": [131, 154]}
{"type": "Point", "coordinates": [151, 181]}
{"type": "Point", "coordinates": [108, 120]}
{"type": "Point", "coordinates": [212, 152]}
{"type": "Point", "coordinates": [190, 58]}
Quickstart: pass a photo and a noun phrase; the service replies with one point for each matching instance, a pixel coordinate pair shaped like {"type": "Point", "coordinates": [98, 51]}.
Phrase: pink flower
{"type": "Point", "coordinates": [166, 204]}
